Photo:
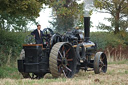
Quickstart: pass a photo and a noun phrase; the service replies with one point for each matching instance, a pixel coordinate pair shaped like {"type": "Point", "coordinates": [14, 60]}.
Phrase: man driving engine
{"type": "Point", "coordinates": [37, 33]}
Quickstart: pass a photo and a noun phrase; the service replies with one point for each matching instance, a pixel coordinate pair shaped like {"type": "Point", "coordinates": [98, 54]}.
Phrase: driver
{"type": "Point", "coordinates": [37, 33]}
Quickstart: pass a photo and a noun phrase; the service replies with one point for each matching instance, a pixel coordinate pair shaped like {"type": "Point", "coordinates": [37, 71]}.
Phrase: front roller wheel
{"type": "Point", "coordinates": [100, 63]}
{"type": "Point", "coordinates": [62, 60]}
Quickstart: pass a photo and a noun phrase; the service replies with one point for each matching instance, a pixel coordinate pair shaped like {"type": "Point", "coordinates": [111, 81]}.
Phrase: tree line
{"type": "Point", "coordinates": [66, 14]}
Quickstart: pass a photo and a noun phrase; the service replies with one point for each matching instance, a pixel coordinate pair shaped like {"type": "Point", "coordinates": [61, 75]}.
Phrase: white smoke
{"type": "Point", "coordinates": [88, 6]}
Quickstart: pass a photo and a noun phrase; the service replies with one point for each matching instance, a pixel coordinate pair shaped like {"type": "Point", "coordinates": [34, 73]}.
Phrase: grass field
{"type": "Point", "coordinates": [117, 74]}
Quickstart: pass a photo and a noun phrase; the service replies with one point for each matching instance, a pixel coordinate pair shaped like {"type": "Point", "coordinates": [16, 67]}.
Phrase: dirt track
{"type": "Point", "coordinates": [117, 74]}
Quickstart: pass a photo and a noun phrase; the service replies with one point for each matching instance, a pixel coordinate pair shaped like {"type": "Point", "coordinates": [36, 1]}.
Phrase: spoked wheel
{"type": "Point", "coordinates": [62, 60]}
{"type": "Point", "coordinates": [100, 63]}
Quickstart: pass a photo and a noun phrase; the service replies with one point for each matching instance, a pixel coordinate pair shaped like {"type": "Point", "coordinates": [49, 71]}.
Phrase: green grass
{"type": "Point", "coordinates": [116, 75]}
{"type": "Point", "coordinates": [9, 72]}
{"type": "Point", "coordinates": [12, 72]}
{"type": "Point", "coordinates": [119, 62]}
{"type": "Point", "coordinates": [126, 72]}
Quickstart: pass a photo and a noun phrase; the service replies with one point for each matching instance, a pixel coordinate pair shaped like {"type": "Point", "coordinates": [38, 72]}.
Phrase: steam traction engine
{"type": "Point", "coordinates": [61, 55]}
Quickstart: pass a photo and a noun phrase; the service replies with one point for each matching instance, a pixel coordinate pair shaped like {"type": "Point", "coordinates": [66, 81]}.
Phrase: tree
{"type": "Point", "coordinates": [66, 14]}
{"type": "Point", "coordinates": [17, 13]}
{"type": "Point", "coordinates": [21, 7]}
{"type": "Point", "coordinates": [119, 11]}
{"type": "Point", "coordinates": [15, 23]}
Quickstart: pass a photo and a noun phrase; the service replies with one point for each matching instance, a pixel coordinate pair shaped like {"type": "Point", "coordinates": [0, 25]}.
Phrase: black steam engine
{"type": "Point", "coordinates": [61, 55]}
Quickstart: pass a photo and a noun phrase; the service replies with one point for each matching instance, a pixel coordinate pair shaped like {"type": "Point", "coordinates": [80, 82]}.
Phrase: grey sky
{"type": "Point", "coordinates": [96, 17]}
{"type": "Point", "coordinates": [45, 14]}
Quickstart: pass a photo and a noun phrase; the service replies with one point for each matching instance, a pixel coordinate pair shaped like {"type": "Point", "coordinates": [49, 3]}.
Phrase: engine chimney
{"type": "Point", "coordinates": [86, 29]}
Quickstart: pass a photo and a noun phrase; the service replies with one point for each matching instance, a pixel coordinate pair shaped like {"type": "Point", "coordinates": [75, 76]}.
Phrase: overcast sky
{"type": "Point", "coordinates": [45, 14]}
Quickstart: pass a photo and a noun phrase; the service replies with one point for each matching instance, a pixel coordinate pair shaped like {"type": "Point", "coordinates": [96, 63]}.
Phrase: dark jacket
{"type": "Point", "coordinates": [38, 38]}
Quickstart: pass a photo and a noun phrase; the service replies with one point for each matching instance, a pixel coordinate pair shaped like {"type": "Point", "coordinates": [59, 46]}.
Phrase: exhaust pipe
{"type": "Point", "coordinates": [86, 29]}
{"type": "Point", "coordinates": [88, 6]}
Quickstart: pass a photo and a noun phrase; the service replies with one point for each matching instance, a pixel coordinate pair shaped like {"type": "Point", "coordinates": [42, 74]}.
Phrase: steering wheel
{"type": "Point", "coordinates": [48, 31]}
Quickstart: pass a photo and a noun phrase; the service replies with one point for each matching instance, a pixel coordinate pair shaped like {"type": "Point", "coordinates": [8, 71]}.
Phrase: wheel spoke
{"type": "Point", "coordinates": [59, 60]}
{"type": "Point", "coordinates": [64, 72]}
{"type": "Point", "coordinates": [102, 58]}
{"type": "Point", "coordinates": [68, 51]}
{"type": "Point", "coordinates": [64, 53]}
{"type": "Point", "coordinates": [66, 56]}
{"type": "Point", "coordinates": [104, 65]}
{"type": "Point", "coordinates": [68, 68]}
{"type": "Point", "coordinates": [101, 62]}
{"type": "Point", "coordinates": [60, 54]}
{"type": "Point", "coordinates": [69, 59]}
{"type": "Point", "coordinates": [63, 48]}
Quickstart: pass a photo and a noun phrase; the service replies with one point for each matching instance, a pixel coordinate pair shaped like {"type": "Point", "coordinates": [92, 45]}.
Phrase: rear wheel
{"type": "Point", "coordinates": [62, 60]}
{"type": "Point", "coordinates": [100, 63]}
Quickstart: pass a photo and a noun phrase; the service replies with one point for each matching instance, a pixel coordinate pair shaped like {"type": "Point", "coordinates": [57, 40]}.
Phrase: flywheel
{"type": "Point", "coordinates": [62, 61]}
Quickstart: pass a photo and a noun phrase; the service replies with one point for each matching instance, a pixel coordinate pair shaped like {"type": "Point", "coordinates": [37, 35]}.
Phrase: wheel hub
{"type": "Point", "coordinates": [64, 61]}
